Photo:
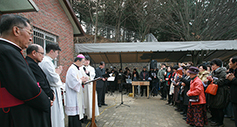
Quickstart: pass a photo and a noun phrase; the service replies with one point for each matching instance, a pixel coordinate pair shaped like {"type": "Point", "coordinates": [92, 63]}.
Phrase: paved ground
{"type": "Point", "coordinates": [142, 112]}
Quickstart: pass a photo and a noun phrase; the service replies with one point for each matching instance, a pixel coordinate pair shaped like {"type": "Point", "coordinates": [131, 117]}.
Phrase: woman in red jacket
{"type": "Point", "coordinates": [197, 114]}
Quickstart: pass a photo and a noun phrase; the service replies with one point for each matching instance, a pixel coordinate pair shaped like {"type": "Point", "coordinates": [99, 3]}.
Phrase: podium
{"type": "Point", "coordinates": [141, 83]}
{"type": "Point", "coordinates": [93, 124]}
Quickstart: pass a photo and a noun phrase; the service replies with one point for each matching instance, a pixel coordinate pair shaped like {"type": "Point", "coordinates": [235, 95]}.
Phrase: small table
{"type": "Point", "coordinates": [141, 83]}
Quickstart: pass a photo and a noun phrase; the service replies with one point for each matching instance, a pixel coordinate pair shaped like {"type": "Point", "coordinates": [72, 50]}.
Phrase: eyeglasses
{"type": "Point", "coordinates": [28, 31]}
{"type": "Point", "coordinates": [41, 53]}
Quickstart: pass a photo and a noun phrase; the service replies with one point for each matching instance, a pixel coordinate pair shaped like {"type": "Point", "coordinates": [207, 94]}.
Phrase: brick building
{"type": "Point", "coordinates": [55, 22]}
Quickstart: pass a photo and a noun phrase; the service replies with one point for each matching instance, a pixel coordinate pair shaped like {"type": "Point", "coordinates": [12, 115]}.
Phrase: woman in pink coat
{"type": "Point", "coordinates": [197, 113]}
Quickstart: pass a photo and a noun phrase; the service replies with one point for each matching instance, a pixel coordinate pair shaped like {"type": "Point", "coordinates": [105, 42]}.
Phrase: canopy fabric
{"type": "Point", "coordinates": [157, 46]}
{"type": "Point", "coordinates": [14, 6]}
{"type": "Point", "coordinates": [160, 51]}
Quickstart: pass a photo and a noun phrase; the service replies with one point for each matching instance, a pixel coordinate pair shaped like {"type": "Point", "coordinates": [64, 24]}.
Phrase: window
{"type": "Point", "coordinates": [43, 38]}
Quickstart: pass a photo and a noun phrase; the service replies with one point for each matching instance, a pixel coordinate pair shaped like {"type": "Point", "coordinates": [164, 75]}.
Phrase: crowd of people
{"type": "Point", "coordinates": [30, 93]}
{"type": "Point", "coordinates": [184, 86]}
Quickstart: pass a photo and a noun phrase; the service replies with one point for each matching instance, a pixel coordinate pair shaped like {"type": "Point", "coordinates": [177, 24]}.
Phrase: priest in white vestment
{"type": "Point", "coordinates": [89, 71]}
{"type": "Point", "coordinates": [74, 92]}
{"type": "Point", "coordinates": [52, 74]}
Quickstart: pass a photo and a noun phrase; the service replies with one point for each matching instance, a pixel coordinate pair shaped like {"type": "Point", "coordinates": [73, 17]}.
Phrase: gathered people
{"type": "Point", "coordinates": [128, 78]}
{"type": "Point", "coordinates": [52, 74]}
{"type": "Point", "coordinates": [74, 92]}
{"type": "Point", "coordinates": [161, 76]}
{"type": "Point", "coordinates": [89, 71]}
{"type": "Point", "coordinates": [135, 75]}
{"type": "Point", "coordinates": [173, 83]}
{"type": "Point", "coordinates": [22, 102]}
{"type": "Point", "coordinates": [100, 84]}
{"type": "Point", "coordinates": [112, 82]}
{"type": "Point", "coordinates": [185, 82]}
{"type": "Point", "coordinates": [154, 81]}
{"type": "Point", "coordinates": [168, 84]}
{"type": "Point", "coordinates": [35, 54]}
{"type": "Point", "coordinates": [144, 75]}
{"type": "Point", "coordinates": [203, 74]}
{"type": "Point", "coordinates": [217, 102]}
{"type": "Point", "coordinates": [232, 82]}
{"type": "Point", "coordinates": [197, 113]}
{"type": "Point", "coordinates": [177, 85]}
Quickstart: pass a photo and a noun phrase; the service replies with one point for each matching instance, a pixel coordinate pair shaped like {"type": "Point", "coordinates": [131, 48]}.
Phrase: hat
{"type": "Point", "coordinates": [81, 56]}
{"type": "Point", "coordinates": [193, 70]}
{"type": "Point", "coordinates": [144, 66]}
{"type": "Point", "coordinates": [180, 68]}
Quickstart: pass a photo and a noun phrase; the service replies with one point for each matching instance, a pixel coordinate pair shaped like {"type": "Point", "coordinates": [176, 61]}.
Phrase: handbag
{"type": "Point", "coordinates": [194, 98]}
{"type": "Point", "coordinates": [212, 89]}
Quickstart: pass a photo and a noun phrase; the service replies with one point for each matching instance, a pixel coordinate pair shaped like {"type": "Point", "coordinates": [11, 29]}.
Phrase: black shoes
{"type": "Point", "coordinates": [84, 120]}
{"type": "Point", "coordinates": [184, 114]}
{"type": "Point", "coordinates": [179, 110]}
{"type": "Point", "coordinates": [217, 125]}
{"type": "Point", "coordinates": [104, 104]}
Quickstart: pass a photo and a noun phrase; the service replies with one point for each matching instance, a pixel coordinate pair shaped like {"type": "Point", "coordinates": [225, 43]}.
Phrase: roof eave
{"type": "Point", "coordinates": [75, 20]}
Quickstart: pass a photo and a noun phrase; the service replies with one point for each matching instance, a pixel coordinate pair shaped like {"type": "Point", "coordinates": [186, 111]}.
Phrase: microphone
{"type": "Point", "coordinates": [84, 68]}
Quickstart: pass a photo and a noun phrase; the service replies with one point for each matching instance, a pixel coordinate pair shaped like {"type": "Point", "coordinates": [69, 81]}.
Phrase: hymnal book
{"type": "Point", "coordinates": [93, 80]}
{"type": "Point", "coordinates": [111, 78]}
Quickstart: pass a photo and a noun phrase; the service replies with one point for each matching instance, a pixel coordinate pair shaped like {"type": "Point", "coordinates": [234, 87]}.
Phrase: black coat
{"type": "Point", "coordinates": [220, 100]}
{"type": "Point", "coordinates": [233, 88]}
{"type": "Point", "coordinates": [137, 75]}
{"type": "Point", "coordinates": [146, 75]}
{"type": "Point", "coordinates": [186, 81]}
{"type": "Point", "coordinates": [40, 77]}
{"type": "Point", "coordinates": [44, 84]}
{"type": "Point", "coordinates": [19, 81]}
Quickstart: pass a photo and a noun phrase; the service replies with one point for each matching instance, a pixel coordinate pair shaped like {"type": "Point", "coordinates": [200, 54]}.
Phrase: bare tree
{"type": "Point", "coordinates": [199, 19]}
{"type": "Point", "coordinates": [146, 13]}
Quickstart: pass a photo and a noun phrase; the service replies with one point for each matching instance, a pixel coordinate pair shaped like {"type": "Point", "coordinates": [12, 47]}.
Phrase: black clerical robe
{"type": "Point", "coordinates": [40, 77]}
{"type": "Point", "coordinates": [17, 78]}
{"type": "Point", "coordinates": [44, 84]}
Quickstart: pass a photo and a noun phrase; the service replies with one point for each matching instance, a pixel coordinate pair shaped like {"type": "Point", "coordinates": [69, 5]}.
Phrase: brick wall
{"type": "Point", "coordinates": [52, 18]}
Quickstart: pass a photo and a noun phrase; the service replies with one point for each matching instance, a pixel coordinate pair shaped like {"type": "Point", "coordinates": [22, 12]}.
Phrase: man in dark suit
{"type": "Point", "coordinates": [22, 102]}
{"type": "Point", "coordinates": [100, 84]}
{"type": "Point", "coordinates": [35, 54]}
{"type": "Point", "coordinates": [144, 75]}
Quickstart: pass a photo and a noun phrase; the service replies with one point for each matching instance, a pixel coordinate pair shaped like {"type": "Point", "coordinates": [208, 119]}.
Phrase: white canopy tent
{"type": "Point", "coordinates": [161, 51]}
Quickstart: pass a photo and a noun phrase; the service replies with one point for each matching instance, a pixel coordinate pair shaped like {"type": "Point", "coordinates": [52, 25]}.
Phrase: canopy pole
{"type": "Point", "coordinates": [121, 65]}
